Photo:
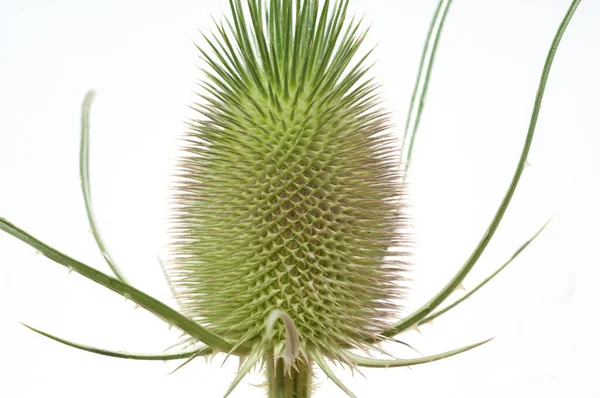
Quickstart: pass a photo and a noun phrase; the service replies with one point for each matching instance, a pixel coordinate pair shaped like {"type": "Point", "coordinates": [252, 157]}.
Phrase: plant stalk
{"type": "Point", "coordinates": [297, 384]}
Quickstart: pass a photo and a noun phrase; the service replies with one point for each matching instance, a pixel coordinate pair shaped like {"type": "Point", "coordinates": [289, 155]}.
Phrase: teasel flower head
{"type": "Point", "coordinates": [289, 195]}
{"type": "Point", "coordinates": [289, 238]}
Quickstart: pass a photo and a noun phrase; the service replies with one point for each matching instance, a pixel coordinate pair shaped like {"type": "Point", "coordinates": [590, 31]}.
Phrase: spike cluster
{"type": "Point", "coordinates": [288, 198]}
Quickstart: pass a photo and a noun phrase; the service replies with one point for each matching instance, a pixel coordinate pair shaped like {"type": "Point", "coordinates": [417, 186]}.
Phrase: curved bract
{"type": "Point", "coordinates": [159, 356]}
{"type": "Point", "coordinates": [164, 312]}
{"type": "Point", "coordinates": [455, 282]}
{"type": "Point", "coordinates": [289, 201]}
{"type": "Point", "coordinates": [84, 170]}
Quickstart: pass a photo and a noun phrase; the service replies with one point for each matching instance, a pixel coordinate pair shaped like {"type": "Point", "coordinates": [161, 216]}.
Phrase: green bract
{"type": "Point", "coordinates": [289, 237]}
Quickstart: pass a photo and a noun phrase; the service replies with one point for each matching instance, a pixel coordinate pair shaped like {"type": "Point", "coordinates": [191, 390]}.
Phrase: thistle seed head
{"type": "Point", "coordinates": [288, 196]}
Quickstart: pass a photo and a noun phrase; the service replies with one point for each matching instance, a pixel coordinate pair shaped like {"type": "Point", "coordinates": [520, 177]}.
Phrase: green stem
{"type": "Point", "coordinates": [297, 384]}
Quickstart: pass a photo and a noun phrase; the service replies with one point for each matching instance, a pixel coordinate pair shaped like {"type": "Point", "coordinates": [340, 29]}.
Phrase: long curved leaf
{"type": "Point", "coordinates": [158, 308]}
{"type": "Point", "coordinates": [417, 103]}
{"type": "Point", "coordinates": [486, 280]}
{"type": "Point", "coordinates": [84, 169]}
{"type": "Point", "coordinates": [394, 363]}
{"type": "Point", "coordinates": [161, 356]}
{"type": "Point", "coordinates": [432, 304]}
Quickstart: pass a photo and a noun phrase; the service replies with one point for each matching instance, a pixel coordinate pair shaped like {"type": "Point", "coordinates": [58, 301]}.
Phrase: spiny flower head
{"type": "Point", "coordinates": [288, 197]}
{"type": "Point", "coordinates": [288, 203]}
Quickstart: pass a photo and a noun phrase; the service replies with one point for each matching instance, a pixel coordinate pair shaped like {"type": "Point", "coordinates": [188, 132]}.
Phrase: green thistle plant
{"type": "Point", "coordinates": [289, 239]}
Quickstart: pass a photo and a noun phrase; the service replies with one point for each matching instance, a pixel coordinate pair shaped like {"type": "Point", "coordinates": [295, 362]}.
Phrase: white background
{"type": "Point", "coordinates": [140, 57]}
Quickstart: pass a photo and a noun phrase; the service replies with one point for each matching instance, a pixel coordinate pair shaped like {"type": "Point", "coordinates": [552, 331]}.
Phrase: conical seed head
{"type": "Point", "coordinates": [288, 196]}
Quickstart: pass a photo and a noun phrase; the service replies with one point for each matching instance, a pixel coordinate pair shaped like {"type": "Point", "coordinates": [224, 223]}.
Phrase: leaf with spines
{"type": "Point", "coordinates": [161, 356]}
